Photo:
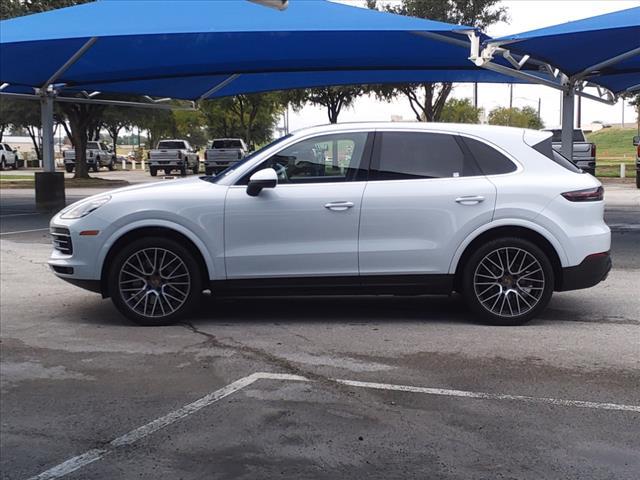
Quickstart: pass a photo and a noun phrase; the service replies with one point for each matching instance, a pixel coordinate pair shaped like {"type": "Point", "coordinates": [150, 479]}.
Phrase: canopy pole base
{"type": "Point", "coordinates": [50, 191]}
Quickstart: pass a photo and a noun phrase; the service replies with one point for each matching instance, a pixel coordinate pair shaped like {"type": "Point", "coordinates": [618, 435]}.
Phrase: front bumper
{"type": "Point", "coordinates": [591, 271]}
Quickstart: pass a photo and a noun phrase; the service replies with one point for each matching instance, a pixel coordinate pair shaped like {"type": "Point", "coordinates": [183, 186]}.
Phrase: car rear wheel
{"type": "Point", "coordinates": [183, 171]}
{"type": "Point", "coordinates": [154, 281]}
{"type": "Point", "coordinates": [196, 168]}
{"type": "Point", "coordinates": [69, 168]}
{"type": "Point", "coordinates": [153, 171]}
{"type": "Point", "coordinates": [2, 164]}
{"type": "Point", "coordinates": [508, 281]}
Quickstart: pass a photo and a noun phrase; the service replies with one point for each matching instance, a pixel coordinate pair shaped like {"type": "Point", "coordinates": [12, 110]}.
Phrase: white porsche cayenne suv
{"type": "Point", "coordinates": [372, 208]}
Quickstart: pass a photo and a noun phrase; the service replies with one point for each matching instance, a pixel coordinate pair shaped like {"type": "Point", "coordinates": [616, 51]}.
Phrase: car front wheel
{"type": "Point", "coordinates": [508, 281]}
{"type": "Point", "coordinates": [154, 281]}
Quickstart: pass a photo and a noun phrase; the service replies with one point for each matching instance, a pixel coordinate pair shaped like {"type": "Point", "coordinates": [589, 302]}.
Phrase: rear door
{"type": "Point", "coordinates": [425, 195]}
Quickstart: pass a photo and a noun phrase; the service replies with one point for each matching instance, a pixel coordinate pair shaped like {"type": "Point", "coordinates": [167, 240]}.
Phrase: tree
{"type": "Point", "coordinates": [525, 117]}
{"type": "Point", "coordinates": [158, 124]}
{"type": "Point", "coordinates": [460, 110]}
{"type": "Point", "coordinates": [334, 99]}
{"type": "Point", "coordinates": [82, 119]}
{"type": "Point", "coordinates": [22, 114]}
{"type": "Point", "coordinates": [251, 117]}
{"type": "Point", "coordinates": [190, 125]}
{"type": "Point", "coordinates": [16, 8]}
{"type": "Point", "coordinates": [427, 100]}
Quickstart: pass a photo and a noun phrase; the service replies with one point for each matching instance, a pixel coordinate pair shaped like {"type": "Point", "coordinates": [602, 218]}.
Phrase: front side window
{"type": "Point", "coordinates": [327, 158]}
{"type": "Point", "coordinates": [418, 155]}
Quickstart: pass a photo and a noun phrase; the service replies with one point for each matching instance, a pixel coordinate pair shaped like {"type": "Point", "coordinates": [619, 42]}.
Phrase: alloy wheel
{"type": "Point", "coordinates": [509, 282]}
{"type": "Point", "coordinates": [154, 282]}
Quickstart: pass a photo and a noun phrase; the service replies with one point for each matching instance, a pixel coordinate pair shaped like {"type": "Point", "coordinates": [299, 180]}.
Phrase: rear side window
{"type": "Point", "coordinates": [546, 148]}
{"type": "Point", "coordinates": [169, 145]}
{"type": "Point", "coordinates": [490, 160]}
{"type": "Point", "coordinates": [226, 144]}
{"type": "Point", "coordinates": [415, 155]}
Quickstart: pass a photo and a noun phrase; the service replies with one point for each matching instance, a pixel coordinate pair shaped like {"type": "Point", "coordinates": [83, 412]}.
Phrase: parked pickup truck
{"type": "Point", "coordinates": [98, 155]}
{"type": "Point", "coordinates": [8, 157]}
{"type": "Point", "coordinates": [584, 153]}
{"type": "Point", "coordinates": [222, 153]}
{"type": "Point", "coordinates": [173, 155]}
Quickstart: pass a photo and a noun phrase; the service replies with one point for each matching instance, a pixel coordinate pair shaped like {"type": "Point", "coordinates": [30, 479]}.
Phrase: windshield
{"type": "Point", "coordinates": [171, 145]}
{"type": "Point", "coordinates": [224, 173]}
{"type": "Point", "coordinates": [226, 144]}
{"type": "Point", "coordinates": [93, 146]}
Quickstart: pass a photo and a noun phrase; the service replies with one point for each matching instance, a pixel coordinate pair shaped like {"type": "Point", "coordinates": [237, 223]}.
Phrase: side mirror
{"type": "Point", "coordinates": [265, 178]}
{"type": "Point", "coordinates": [636, 140]}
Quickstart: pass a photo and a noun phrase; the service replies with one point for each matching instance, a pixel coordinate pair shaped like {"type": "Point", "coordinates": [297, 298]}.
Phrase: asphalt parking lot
{"type": "Point", "coordinates": [378, 387]}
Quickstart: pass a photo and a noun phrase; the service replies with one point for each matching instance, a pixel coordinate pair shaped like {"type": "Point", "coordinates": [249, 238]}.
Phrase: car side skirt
{"type": "Point", "coordinates": [432, 284]}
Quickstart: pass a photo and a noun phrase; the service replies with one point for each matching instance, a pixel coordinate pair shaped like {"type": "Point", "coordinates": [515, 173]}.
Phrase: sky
{"type": "Point", "coordinates": [524, 15]}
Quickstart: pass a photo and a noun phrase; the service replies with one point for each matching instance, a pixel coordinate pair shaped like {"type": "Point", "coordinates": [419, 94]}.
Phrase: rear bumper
{"type": "Point", "coordinates": [591, 271]}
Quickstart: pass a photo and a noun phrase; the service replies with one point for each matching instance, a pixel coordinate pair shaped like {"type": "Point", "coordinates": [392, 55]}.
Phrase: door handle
{"type": "Point", "coordinates": [338, 206]}
{"type": "Point", "coordinates": [470, 200]}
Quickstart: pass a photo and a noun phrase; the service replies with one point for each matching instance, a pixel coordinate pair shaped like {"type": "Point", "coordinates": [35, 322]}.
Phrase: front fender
{"type": "Point", "coordinates": [509, 222]}
{"type": "Point", "coordinates": [143, 223]}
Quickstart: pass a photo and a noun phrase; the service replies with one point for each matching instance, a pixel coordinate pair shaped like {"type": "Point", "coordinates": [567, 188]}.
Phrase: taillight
{"type": "Point", "coordinates": [586, 195]}
{"type": "Point", "coordinates": [593, 150]}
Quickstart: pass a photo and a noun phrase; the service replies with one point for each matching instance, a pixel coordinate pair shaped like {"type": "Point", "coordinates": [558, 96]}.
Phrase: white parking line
{"type": "Point", "coordinates": [24, 231]}
{"type": "Point", "coordinates": [91, 456]}
{"type": "Point", "coordinates": [139, 433]}
{"type": "Point", "coordinates": [491, 396]}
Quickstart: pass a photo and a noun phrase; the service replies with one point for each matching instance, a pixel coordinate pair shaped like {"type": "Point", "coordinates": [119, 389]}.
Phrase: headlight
{"type": "Point", "coordinates": [85, 208]}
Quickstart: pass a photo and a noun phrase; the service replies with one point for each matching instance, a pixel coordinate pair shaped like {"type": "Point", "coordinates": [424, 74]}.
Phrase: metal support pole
{"type": "Point", "coordinates": [579, 115]}
{"type": "Point", "coordinates": [46, 118]}
{"type": "Point", "coordinates": [568, 107]}
{"type": "Point", "coordinates": [49, 184]}
{"type": "Point", "coordinates": [475, 95]}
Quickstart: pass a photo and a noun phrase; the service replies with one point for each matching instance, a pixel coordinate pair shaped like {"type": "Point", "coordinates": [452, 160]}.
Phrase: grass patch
{"type": "Point", "coordinates": [4, 176]}
{"type": "Point", "coordinates": [9, 182]}
{"type": "Point", "coordinates": [614, 142]}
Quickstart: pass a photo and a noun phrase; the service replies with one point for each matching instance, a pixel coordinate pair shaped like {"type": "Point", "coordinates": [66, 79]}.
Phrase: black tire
{"type": "Point", "coordinates": [183, 171]}
{"type": "Point", "coordinates": [196, 168]}
{"type": "Point", "coordinates": [153, 171]}
{"type": "Point", "coordinates": [480, 284]}
{"type": "Point", "coordinates": [1, 164]}
{"type": "Point", "coordinates": [112, 166]}
{"type": "Point", "coordinates": [208, 171]}
{"type": "Point", "coordinates": [69, 168]}
{"type": "Point", "coordinates": [637, 178]}
{"type": "Point", "coordinates": [124, 300]}
{"type": "Point", "coordinates": [15, 165]}
{"type": "Point", "coordinates": [96, 167]}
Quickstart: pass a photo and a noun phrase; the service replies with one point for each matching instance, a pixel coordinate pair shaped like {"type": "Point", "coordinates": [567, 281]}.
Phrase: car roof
{"type": "Point", "coordinates": [473, 129]}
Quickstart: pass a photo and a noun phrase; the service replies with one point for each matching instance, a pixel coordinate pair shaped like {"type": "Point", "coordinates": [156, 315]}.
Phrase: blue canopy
{"type": "Point", "coordinates": [575, 46]}
{"type": "Point", "coordinates": [187, 49]}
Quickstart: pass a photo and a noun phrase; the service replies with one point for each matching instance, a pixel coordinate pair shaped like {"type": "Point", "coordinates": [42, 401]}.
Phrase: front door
{"type": "Point", "coordinates": [307, 226]}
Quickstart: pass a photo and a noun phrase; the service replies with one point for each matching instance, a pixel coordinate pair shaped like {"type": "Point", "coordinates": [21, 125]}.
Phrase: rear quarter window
{"type": "Point", "coordinates": [546, 148]}
{"type": "Point", "coordinates": [490, 160]}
